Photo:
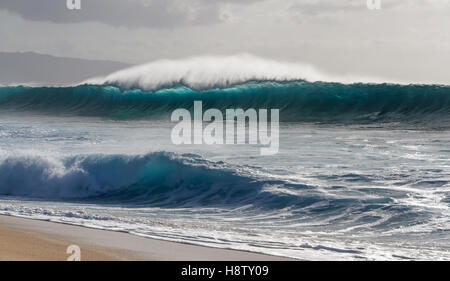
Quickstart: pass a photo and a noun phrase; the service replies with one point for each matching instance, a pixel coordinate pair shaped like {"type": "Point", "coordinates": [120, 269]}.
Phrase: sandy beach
{"type": "Point", "coordinates": [34, 240]}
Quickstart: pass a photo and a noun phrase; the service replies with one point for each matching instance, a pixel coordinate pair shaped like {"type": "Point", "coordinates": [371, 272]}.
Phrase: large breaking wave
{"type": "Point", "coordinates": [206, 72]}
{"type": "Point", "coordinates": [298, 101]}
{"type": "Point", "coordinates": [154, 90]}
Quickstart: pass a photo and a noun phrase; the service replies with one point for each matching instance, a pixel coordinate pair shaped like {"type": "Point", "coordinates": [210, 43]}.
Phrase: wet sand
{"type": "Point", "coordinates": [35, 240]}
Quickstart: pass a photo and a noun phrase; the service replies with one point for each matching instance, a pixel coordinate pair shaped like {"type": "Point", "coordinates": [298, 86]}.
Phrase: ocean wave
{"type": "Point", "coordinates": [298, 101]}
{"type": "Point", "coordinates": [206, 72]}
{"type": "Point", "coordinates": [158, 179]}
{"type": "Point", "coordinates": [189, 182]}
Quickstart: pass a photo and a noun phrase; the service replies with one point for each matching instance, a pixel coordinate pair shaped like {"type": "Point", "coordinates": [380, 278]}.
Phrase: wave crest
{"type": "Point", "coordinates": [207, 72]}
{"type": "Point", "coordinates": [155, 179]}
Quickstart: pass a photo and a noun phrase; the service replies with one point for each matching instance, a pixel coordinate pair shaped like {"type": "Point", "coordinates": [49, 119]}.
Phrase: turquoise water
{"type": "Point", "coordinates": [298, 101]}
{"type": "Point", "coordinates": [362, 172]}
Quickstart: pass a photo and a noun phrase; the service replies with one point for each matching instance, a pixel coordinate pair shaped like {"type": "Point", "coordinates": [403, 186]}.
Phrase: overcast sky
{"type": "Point", "coordinates": [405, 40]}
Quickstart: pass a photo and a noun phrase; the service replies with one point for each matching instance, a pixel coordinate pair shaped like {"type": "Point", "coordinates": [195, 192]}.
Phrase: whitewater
{"type": "Point", "coordinates": [362, 173]}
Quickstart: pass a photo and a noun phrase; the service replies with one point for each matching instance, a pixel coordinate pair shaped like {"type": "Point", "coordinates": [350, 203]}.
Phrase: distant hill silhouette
{"type": "Point", "coordinates": [40, 69]}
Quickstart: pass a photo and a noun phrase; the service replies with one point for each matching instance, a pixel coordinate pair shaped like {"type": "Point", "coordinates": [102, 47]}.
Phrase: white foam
{"type": "Point", "coordinates": [218, 71]}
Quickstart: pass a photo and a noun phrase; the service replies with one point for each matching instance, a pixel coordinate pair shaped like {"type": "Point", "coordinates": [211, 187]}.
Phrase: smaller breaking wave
{"type": "Point", "coordinates": [159, 179]}
{"type": "Point", "coordinates": [186, 181]}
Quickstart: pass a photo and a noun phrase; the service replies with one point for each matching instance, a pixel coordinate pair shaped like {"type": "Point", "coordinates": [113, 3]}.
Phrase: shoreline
{"type": "Point", "coordinates": [29, 239]}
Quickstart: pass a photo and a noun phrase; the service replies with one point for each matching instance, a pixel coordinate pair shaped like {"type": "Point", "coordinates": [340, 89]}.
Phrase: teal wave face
{"type": "Point", "coordinates": [156, 179]}
{"type": "Point", "coordinates": [297, 101]}
{"type": "Point", "coordinates": [168, 180]}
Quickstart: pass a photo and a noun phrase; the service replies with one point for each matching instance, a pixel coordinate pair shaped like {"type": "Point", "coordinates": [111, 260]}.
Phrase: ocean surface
{"type": "Point", "coordinates": [362, 172]}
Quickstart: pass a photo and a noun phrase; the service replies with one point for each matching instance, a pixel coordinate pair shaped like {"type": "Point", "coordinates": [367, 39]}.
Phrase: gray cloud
{"type": "Point", "coordinates": [127, 13]}
{"type": "Point", "coordinates": [318, 7]}
{"type": "Point", "coordinates": [405, 40]}
{"type": "Point", "coordinates": [327, 7]}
